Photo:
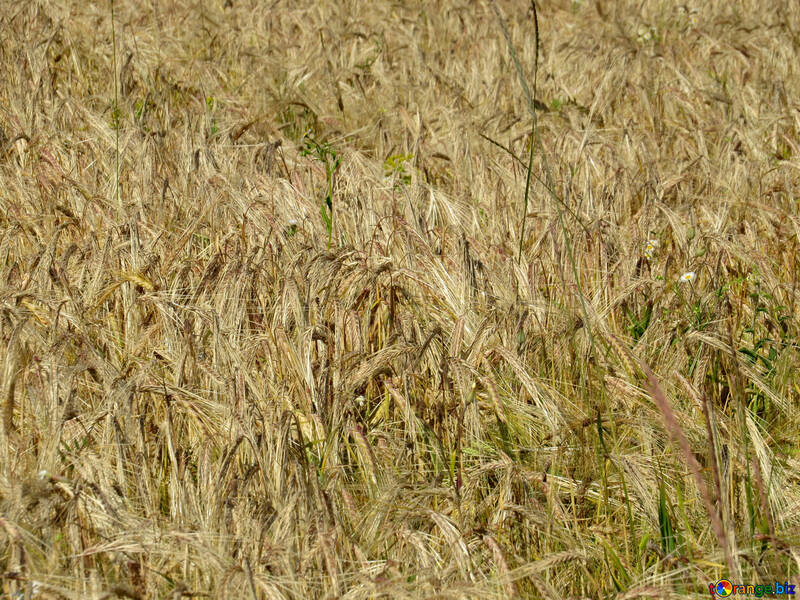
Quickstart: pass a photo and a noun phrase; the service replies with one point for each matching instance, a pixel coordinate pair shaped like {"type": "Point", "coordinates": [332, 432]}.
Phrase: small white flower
{"type": "Point", "coordinates": [43, 474]}
{"type": "Point", "coordinates": [645, 33]}
{"type": "Point", "coordinates": [688, 276]}
{"type": "Point", "coordinates": [650, 249]}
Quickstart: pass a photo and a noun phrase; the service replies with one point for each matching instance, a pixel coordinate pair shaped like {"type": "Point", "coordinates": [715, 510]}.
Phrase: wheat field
{"type": "Point", "coordinates": [309, 299]}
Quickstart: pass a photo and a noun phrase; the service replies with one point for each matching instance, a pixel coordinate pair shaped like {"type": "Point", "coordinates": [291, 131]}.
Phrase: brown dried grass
{"type": "Point", "coordinates": [202, 396]}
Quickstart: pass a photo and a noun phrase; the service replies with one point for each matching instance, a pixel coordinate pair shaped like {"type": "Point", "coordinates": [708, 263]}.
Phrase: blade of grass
{"type": "Point", "coordinates": [115, 110]}
{"type": "Point", "coordinates": [535, 141]}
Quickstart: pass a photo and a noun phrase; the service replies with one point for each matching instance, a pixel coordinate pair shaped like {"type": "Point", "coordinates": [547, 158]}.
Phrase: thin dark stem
{"type": "Point", "coordinates": [115, 110]}
{"type": "Point", "coordinates": [530, 97]}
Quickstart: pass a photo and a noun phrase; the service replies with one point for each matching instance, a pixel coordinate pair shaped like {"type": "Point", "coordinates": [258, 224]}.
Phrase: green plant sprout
{"type": "Point", "coordinates": [211, 103]}
{"type": "Point", "coordinates": [395, 165]}
{"type": "Point", "coordinates": [324, 153]}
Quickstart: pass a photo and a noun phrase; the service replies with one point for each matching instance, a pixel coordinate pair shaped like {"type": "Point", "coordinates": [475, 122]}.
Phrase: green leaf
{"type": "Point", "coordinates": [665, 526]}
{"type": "Point", "coordinates": [619, 573]}
{"type": "Point", "coordinates": [325, 216]}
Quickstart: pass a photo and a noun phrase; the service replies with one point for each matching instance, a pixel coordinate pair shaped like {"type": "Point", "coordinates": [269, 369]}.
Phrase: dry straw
{"type": "Point", "coordinates": [324, 299]}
